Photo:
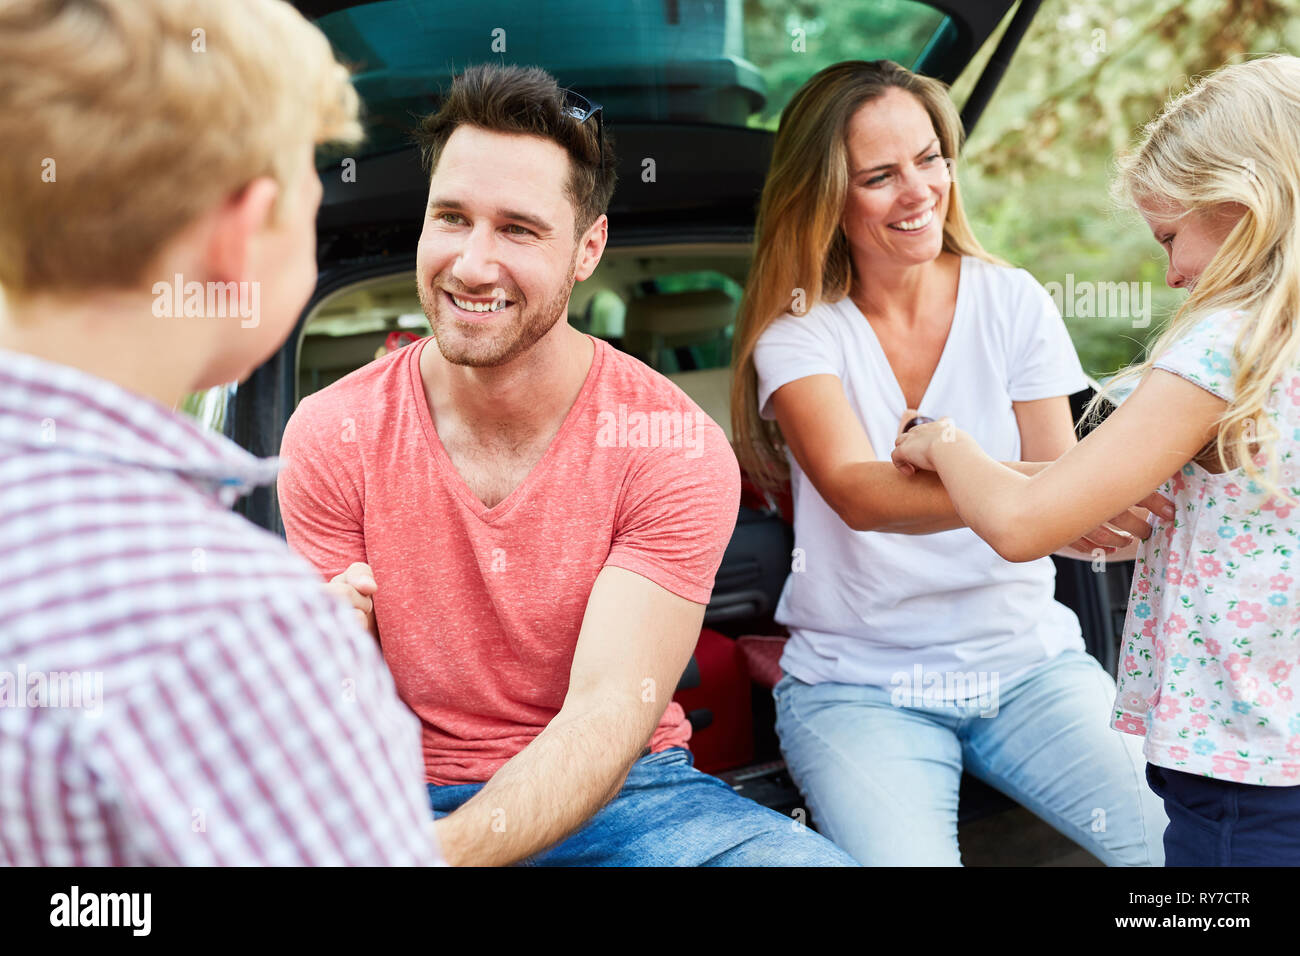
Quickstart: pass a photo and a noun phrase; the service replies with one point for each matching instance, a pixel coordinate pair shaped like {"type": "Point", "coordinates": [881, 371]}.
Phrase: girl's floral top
{"type": "Point", "coordinates": [1209, 668]}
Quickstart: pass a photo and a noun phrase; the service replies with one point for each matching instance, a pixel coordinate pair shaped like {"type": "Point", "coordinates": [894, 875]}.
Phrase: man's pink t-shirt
{"type": "Point", "coordinates": [479, 609]}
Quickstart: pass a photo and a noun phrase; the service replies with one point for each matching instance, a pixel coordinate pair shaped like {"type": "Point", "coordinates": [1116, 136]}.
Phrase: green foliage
{"type": "Point", "coordinates": [789, 42]}
{"type": "Point", "coordinates": [1088, 75]}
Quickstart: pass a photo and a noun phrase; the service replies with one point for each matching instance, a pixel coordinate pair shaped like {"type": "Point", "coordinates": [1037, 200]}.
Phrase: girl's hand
{"type": "Point", "coordinates": [914, 449]}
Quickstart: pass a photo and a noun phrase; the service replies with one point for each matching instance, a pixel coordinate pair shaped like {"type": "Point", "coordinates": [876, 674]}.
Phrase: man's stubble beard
{"type": "Point", "coordinates": [506, 344]}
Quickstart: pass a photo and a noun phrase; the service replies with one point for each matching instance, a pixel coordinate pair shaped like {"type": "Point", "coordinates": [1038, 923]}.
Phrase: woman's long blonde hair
{"type": "Point", "coordinates": [801, 254]}
{"type": "Point", "coordinates": [1232, 137]}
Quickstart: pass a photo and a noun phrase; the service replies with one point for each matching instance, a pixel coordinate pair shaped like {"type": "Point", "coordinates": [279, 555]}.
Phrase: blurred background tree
{"type": "Point", "coordinates": [1086, 78]}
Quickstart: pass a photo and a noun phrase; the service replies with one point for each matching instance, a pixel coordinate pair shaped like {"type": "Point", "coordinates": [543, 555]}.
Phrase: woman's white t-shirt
{"type": "Point", "coordinates": [937, 611]}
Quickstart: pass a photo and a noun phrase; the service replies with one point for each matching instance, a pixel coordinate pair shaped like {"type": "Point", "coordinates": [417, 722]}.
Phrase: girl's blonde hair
{"type": "Point", "coordinates": [800, 251]}
{"type": "Point", "coordinates": [123, 120]}
{"type": "Point", "coordinates": [1232, 137]}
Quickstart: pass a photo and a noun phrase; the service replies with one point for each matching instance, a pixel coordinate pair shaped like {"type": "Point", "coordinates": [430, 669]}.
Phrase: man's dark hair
{"type": "Point", "coordinates": [519, 99]}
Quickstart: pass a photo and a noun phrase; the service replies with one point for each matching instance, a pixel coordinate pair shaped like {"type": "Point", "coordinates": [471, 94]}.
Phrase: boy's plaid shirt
{"type": "Point", "coordinates": [175, 686]}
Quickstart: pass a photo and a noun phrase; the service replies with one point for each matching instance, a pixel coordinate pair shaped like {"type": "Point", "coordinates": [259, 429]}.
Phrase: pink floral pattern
{"type": "Point", "coordinates": [1210, 659]}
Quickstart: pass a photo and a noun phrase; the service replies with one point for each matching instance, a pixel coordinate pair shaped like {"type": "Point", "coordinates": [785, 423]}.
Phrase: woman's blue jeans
{"type": "Point", "coordinates": [881, 775]}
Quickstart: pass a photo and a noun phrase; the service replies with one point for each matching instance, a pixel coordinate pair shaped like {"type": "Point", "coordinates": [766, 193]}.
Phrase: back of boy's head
{"type": "Point", "coordinates": [124, 120]}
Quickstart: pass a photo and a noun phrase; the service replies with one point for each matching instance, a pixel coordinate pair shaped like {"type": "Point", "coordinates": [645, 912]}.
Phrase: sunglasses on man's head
{"type": "Point", "coordinates": [583, 109]}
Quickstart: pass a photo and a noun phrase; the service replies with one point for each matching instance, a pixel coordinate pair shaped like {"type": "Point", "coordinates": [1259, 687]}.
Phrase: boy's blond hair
{"type": "Point", "coordinates": [124, 120]}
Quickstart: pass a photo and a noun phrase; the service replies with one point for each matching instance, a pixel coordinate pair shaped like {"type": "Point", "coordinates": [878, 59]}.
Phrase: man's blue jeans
{"type": "Point", "coordinates": [670, 814]}
{"type": "Point", "coordinates": [881, 776]}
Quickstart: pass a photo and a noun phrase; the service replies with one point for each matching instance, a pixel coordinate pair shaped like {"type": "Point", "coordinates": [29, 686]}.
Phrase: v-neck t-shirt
{"type": "Point", "coordinates": [478, 608]}
{"type": "Point", "coordinates": [921, 611]}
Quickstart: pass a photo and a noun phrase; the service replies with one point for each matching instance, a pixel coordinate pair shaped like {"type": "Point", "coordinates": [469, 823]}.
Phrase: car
{"type": "Point", "coordinates": [690, 91]}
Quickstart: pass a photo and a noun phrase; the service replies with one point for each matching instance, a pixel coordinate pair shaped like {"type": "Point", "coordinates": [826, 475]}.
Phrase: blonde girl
{"type": "Point", "coordinates": [1210, 669]}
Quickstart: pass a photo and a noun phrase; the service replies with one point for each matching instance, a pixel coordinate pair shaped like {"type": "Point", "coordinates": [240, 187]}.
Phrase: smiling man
{"type": "Point", "coordinates": [537, 591]}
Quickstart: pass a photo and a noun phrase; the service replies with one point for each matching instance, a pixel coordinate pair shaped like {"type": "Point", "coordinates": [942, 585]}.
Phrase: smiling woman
{"type": "Point", "coordinates": [871, 303]}
{"type": "Point", "coordinates": [878, 142]}
{"type": "Point", "coordinates": [893, 185]}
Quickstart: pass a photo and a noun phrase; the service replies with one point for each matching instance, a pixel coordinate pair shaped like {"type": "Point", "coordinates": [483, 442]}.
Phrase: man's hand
{"type": "Point", "coordinates": [357, 586]}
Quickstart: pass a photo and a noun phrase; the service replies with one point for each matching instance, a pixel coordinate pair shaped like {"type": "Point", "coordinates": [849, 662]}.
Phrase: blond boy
{"type": "Point", "coordinates": [175, 687]}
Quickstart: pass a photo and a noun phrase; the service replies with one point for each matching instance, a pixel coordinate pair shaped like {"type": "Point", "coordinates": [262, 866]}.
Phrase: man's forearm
{"type": "Point", "coordinates": [547, 790]}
